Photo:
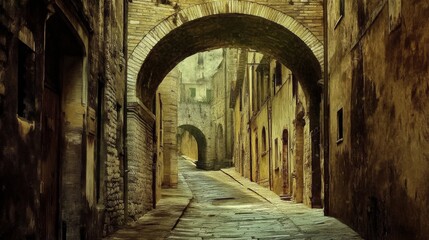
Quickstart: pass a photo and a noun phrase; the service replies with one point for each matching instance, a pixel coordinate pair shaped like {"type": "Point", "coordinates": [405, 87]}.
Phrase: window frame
{"type": "Point", "coordinates": [341, 12]}
{"type": "Point", "coordinates": [340, 125]}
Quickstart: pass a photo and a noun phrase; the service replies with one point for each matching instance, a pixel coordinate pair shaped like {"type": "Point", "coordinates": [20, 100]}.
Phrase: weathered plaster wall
{"type": "Point", "coordinates": [241, 115]}
{"type": "Point", "coordinates": [19, 139]}
{"type": "Point", "coordinates": [379, 76]}
{"type": "Point", "coordinates": [221, 111]}
{"type": "Point", "coordinates": [275, 108]}
{"type": "Point", "coordinates": [168, 91]}
{"type": "Point", "coordinates": [283, 115]}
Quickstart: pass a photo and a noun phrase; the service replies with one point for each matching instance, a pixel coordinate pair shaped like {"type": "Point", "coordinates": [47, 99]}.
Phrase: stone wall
{"type": "Point", "coordinates": [199, 115]}
{"type": "Point", "coordinates": [82, 44]}
{"type": "Point", "coordinates": [141, 152]}
{"type": "Point", "coordinates": [378, 69]}
{"type": "Point", "coordinates": [114, 73]}
{"type": "Point", "coordinates": [142, 18]}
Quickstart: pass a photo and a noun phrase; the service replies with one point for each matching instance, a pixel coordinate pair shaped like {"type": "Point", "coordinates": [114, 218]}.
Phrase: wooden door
{"type": "Point", "coordinates": [285, 167]}
{"type": "Point", "coordinates": [50, 161]}
{"type": "Point", "coordinates": [257, 161]}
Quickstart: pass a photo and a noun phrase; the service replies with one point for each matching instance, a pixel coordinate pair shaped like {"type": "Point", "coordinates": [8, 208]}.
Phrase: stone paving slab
{"type": "Point", "coordinates": [158, 223]}
{"type": "Point", "coordinates": [228, 206]}
{"type": "Point", "coordinates": [224, 205]}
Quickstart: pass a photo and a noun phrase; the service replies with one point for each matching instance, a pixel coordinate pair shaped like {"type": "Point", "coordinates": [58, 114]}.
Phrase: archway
{"type": "Point", "coordinates": [222, 24]}
{"type": "Point", "coordinates": [217, 24]}
{"type": "Point", "coordinates": [202, 144]}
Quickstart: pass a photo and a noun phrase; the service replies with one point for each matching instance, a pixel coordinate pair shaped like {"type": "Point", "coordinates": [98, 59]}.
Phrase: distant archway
{"type": "Point", "coordinates": [202, 144]}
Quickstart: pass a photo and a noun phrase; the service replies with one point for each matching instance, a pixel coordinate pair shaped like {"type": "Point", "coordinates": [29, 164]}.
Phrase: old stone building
{"type": "Point", "coordinates": [273, 141]}
{"type": "Point", "coordinates": [63, 66]}
{"type": "Point", "coordinates": [378, 111]}
{"type": "Point", "coordinates": [203, 108]}
{"type": "Point", "coordinates": [329, 107]}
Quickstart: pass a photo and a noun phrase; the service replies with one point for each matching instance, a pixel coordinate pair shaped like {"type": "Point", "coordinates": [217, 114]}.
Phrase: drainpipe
{"type": "Point", "coordinates": [249, 113]}
{"type": "Point", "coordinates": [225, 119]}
{"type": "Point", "coordinates": [125, 125]}
{"type": "Point", "coordinates": [325, 109]}
{"type": "Point", "coordinates": [270, 164]}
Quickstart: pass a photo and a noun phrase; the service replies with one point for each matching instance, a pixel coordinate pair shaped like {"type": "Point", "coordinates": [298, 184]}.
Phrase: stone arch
{"type": "Point", "coordinates": [201, 141]}
{"type": "Point", "coordinates": [220, 24]}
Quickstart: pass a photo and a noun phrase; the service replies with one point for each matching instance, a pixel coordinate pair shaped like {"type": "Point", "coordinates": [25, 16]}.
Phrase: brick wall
{"type": "Point", "coordinates": [140, 155]}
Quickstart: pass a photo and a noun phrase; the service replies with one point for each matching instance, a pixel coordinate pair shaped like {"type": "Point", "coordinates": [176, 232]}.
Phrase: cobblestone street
{"type": "Point", "coordinates": [227, 206]}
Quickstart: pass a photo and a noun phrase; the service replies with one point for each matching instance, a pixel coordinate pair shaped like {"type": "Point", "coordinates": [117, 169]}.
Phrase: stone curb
{"type": "Point", "coordinates": [249, 188]}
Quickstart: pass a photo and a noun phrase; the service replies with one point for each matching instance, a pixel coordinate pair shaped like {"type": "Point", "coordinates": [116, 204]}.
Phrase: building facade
{"type": "Point", "coordinates": [378, 113]}
{"type": "Point", "coordinates": [203, 110]}
{"type": "Point", "coordinates": [84, 146]}
{"type": "Point", "coordinates": [273, 141]}
{"type": "Point", "coordinates": [62, 99]}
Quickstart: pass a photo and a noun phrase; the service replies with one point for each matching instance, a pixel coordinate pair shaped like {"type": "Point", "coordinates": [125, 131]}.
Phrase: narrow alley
{"type": "Point", "coordinates": [225, 205]}
{"type": "Point", "coordinates": [304, 119]}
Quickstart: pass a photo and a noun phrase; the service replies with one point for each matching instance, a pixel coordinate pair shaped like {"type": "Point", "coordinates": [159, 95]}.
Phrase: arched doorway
{"type": "Point", "coordinates": [285, 165]}
{"type": "Point", "coordinates": [61, 198]}
{"type": "Point", "coordinates": [298, 172]}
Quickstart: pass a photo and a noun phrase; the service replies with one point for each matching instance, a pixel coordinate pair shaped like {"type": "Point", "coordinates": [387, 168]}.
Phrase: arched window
{"type": "Point", "coordinates": [264, 140]}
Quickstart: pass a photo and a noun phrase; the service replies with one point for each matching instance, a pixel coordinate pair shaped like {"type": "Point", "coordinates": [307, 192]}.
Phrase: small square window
{"type": "Point", "coordinates": [209, 94]}
{"type": "Point", "coordinates": [26, 75]}
{"type": "Point", "coordinates": [340, 128]}
{"type": "Point", "coordinates": [193, 92]}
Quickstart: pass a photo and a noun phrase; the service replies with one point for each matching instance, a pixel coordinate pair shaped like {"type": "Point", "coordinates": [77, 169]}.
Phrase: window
{"type": "Point", "coordinates": [278, 74]}
{"type": "Point", "coordinates": [294, 85]}
{"type": "Point", "coordinates": [193, 92]}
{"type": "Point", "coordinates": [26, 74]}
{"type": "Point", "coordinates": [209, 94]}
{"type": "Point", "coordinates": [340, 128]}
{"type": "Point", "coordinates": [264, 140]}
{"type": "Point", "coordinates": [276, 160]}
{"type": "Point", "coordinates": [241, 102]}
{"type": "Point", "coordinates": [341, 8]}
